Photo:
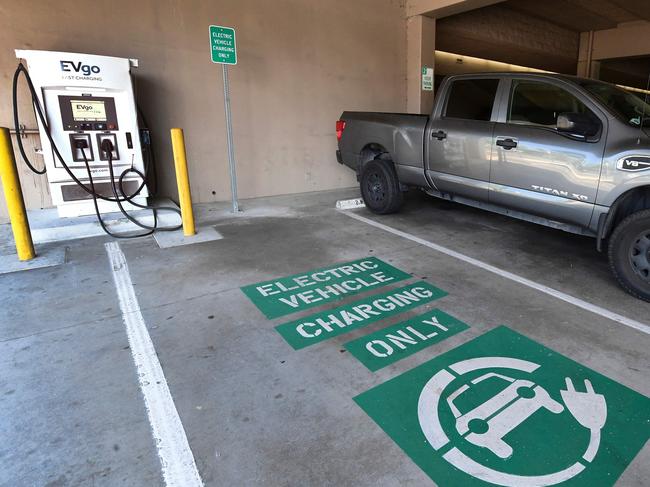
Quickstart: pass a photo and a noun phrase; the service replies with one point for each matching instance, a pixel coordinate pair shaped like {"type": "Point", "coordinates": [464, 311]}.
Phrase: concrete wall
{"type": "Point", "coordinates": [448, 63]}
{"type": "Point", "coordinates": [301, 62]}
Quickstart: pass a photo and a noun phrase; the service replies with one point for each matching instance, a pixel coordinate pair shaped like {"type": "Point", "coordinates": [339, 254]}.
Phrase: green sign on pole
{"type": "Point", "coordinates": [505, 410]}
{"type": "Point", "coordinates": [222, 45]}
{"type": "Point", "coordinates": [286, 295]}
{"type": "Point", "coordinates": [330, 323]}
{"type": "Point", "coordinates": [390, 344]}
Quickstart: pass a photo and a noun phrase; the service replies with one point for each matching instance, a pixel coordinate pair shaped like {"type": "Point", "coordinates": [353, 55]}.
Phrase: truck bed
{"type": "Point", "coordinates": [401, 135]}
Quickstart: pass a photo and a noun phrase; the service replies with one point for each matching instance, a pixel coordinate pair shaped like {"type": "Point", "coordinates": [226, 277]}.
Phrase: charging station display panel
{"type": "Point", "coordinates": [88, 110]}
{"type": "Point", "coordinates": [88, 113]}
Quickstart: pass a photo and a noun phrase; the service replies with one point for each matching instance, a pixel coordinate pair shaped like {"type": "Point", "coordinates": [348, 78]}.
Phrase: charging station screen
{"type": "Point", "coordinates": [88, 110]}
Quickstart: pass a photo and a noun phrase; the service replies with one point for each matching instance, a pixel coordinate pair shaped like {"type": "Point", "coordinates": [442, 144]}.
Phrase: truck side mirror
{"type": "Point", "coordinates": [578, 124]}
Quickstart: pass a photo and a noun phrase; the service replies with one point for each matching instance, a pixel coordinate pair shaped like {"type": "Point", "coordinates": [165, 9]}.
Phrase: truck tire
{"type": "Point", "coordinates": [380, 187]}
{"type": "Point", "coordinates": [629, 254]}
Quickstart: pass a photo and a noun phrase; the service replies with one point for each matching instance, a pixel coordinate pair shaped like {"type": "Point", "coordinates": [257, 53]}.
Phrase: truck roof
{"type": "Point", "coordinates": [518, 74]}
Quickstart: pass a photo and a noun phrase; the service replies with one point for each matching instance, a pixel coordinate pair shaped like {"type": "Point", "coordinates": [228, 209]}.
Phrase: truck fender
{"type": "Point", "coordinates": [371, 152]}
{"type": "Point", "coordinates": [622, 207]}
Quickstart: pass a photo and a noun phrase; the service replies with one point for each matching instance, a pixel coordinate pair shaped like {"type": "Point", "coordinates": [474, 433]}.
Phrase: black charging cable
{"type": "Point", "coordinates": [107, 147]}
{"type": "Point", "coordinates": [151, 164]}
{"type": "Point", "coordinates": [82, 145]}
{"type": "Point", "coordinates": [120, 195]}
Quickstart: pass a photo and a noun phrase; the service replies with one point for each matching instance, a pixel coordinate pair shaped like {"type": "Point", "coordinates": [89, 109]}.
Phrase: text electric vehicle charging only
{"type": "Point", "coordinates": [86, 114]}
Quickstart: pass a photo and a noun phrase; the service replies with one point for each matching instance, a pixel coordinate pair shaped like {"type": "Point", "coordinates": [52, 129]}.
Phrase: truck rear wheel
{"type": "Point", "coordinates": [380, 187]}
{"type": "Point", "coordinates": [629, 254]}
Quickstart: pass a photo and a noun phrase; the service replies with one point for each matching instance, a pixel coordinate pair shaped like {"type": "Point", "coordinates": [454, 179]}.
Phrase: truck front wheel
{"type": "Point", "coordinates": [629, 254]}
{"type": "Point", "coordinates": [380, 187]}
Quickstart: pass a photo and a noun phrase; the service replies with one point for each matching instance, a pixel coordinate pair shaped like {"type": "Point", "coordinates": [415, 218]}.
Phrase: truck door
{"type": "Point", "coordinates": [460, 137]}
{"type": "Point", "coordinates": [538, 169]}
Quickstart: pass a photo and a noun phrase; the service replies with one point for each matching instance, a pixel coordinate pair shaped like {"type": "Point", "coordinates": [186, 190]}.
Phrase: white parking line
{"type": "Point", "coordinates": [176, 459]}
{"type": "Point", "coordinates": [508, 275]}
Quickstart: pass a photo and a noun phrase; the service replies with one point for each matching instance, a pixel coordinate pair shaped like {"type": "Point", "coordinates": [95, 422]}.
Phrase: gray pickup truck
{"type": "Point", "coordinates": [566, 152]}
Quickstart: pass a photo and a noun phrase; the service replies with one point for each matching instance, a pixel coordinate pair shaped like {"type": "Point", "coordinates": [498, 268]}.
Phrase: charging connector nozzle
{"type": "Point", "coordinates": [81, 144]}
{"type": "Point", "coordinates": [107, 146]}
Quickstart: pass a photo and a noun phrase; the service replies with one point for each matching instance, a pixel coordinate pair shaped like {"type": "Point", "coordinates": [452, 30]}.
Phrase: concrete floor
{"type": "Point", "coordinates": [255, 411]}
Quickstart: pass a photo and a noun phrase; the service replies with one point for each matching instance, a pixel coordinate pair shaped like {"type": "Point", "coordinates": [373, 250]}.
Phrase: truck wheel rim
{"type": "Point", "coordinates": [640, 255]}
{"type": "Point", "coordinates": [376, 188]}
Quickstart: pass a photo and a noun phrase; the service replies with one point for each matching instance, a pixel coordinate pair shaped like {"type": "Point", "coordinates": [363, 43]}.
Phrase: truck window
{"type": "Point", "coordinates": [629, 107]}
{"type": "Point", "coordinates": [538, 103]}
{"type": "Point", "coordinates": [471, 99]}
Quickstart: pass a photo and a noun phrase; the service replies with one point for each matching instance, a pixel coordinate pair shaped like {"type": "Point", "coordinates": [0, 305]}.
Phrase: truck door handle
{"type": "Point", "coordinates": [507, 144]}
{"type": "Point", "coordinates": [439, 135]}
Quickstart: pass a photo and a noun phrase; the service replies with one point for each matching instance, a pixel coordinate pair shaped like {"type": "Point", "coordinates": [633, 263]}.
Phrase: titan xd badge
{"type": "Point", "coordinates": [634, 163]}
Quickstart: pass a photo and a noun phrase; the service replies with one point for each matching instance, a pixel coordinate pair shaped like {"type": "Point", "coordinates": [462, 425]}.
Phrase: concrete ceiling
{"type": "Point", "coordinates": [509, 35]}
{"type": "Point", "coordinates": [584, 15]}
{"type": "Point", "coordinates": [541, 34]}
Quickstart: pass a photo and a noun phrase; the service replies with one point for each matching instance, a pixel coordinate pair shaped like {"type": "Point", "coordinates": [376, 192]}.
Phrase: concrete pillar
{"type": "Point", "coordinates": [627, 40]}
{"type": "Point", "coordinates": [421, 45]}
{"type": "Point", "coordinates": [587, 67]}
{"type": "Point", "coordinates": [584, 53]}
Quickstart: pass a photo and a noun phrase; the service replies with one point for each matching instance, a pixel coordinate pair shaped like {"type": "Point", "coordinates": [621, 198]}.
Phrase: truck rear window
{"type": "Point", "coordinates": [471, 99]}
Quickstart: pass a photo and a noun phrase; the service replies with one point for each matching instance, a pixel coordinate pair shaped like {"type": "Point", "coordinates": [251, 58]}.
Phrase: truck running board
{"type": "Point", "coordinates": [520, 215]}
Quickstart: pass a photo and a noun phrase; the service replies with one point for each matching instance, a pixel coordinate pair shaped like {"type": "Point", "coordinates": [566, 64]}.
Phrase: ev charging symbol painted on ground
{"type": "Point", "coordinates": [504, 410]}
{"type": "Point", "coordinates": [487, 424]}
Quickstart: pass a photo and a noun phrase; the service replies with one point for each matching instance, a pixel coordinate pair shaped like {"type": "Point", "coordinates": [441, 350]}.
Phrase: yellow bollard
{"type": "Point", "coordinates": [183, 181]}
{"type": "Point", "coordinates": [14, 198]}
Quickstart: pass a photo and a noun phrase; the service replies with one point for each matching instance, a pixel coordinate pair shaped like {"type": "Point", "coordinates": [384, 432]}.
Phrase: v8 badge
{"type": "Point", "coordinates": [634, 163]}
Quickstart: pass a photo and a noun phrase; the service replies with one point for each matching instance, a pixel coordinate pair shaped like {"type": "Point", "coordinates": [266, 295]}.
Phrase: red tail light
{"type": "Point", "coordinates": [340, 127]}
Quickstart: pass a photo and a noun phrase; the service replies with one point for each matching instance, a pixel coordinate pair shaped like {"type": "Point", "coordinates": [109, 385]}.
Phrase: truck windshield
{"type": "Point", "coordinates": [626, 105]}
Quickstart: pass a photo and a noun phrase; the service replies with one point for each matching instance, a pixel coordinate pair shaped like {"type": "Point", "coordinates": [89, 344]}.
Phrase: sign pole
{"type": "Point", "coordinates": [231, 148]}
{"type": "Point", "coordinates": [223, 50]}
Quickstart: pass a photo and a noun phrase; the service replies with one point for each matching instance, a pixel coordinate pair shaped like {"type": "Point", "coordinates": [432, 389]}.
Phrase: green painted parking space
{"type": "Point", "coordinates": [330, 323]}
{"type": "Point", "coordinates": [279, 297]}
{"type": "Point", "coordinates": [396, 342]}
{"type": "Point", "coordinates": [505, 410]}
